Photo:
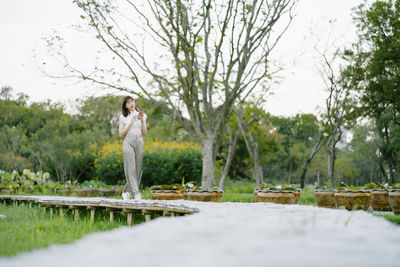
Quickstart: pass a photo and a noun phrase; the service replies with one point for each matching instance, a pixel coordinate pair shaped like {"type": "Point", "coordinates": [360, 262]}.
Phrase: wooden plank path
{"type": "Point", "coordinates": [147, 208]}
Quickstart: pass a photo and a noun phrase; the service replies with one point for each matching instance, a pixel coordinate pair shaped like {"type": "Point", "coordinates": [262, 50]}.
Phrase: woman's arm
{"type": "Point", "coordinates": [144, 126]}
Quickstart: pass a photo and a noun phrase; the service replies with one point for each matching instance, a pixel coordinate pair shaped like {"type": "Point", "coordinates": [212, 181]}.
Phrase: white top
{"type": "Point", "coordinates": [136, 127]}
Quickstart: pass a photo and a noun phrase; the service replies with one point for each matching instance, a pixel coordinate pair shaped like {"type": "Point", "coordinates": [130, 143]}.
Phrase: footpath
{"type": "Point", "coordinates": [233, 234]}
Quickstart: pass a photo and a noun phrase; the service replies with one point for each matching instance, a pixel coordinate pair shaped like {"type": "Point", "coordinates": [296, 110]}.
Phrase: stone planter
{"type": "Point", "coordinates": [325, 198]}
{"type": "Point", "coordinates": [117, 191]}
{"type": "Point", "coordinates": [277, 196]}
{"type": "Point", "coordinates": [95, 192]}
{"type": "Point", "coordinates": [87, 192]}
{"type": "Point", "coordinates": [167, 194]}
{"type": "Point", "coordinates": [64, 192]}
{"type": "Point", "coordinates": [353, 199]}
{"type": "Point", "coordinates": [204, 195]}
{"type": "Point", "coordinates": [380, 200]}
{"type": "Point", "coordinates": [297, 196]}
{"type": "Point", "coordinates": [394, 200]}
{"type": "Point", "coordinates": [7, 191]}
{"type": "Point", "coordinates": [106, 192]}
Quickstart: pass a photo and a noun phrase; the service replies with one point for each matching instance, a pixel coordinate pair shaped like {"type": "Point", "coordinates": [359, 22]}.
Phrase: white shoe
{"type": "Point", "coordinates": [137, 196]}
{"type": "Point", "coordinates": [126, 195]}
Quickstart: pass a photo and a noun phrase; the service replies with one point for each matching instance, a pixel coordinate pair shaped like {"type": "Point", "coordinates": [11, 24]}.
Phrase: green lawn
{"type": "Point", "coordinates": [391, 218]}
{"type": "Point", "coordinates": [25, 228]}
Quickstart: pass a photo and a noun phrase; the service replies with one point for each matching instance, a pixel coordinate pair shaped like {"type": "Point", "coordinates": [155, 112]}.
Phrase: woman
{"type": "Point", "coordinates": [132, 126]}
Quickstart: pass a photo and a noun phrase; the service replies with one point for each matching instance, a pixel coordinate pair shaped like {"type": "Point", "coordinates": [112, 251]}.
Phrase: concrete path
{"type": "Point", "coordinates": [234, 234]}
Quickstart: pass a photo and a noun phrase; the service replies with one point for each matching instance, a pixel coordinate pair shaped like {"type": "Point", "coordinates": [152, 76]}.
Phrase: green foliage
{"type": "Point", "coordinates": [391, 218]}
{"type": "Point", "coordinates": [372, 75]}
{"type": "Point", "coordinates": [238, 197]}
{"type": "Point", "coordinates": [170, 163]}
{"type": "Point", "coordinates": [395, 186]}
{"type": "Point", "coordinates": [25, 229]}
{"type": "Point", "coordinates": [94, 184]}
{"type": "Point", "coordinates": [109, 164]}
{"type": "Point", "coordinates": [164, 163]}
{"type": "Point", "coordinates": [27, 181]}
{"type": "Point", "coordinates": [376, 186]}
{"type": "Point", "coordinates": [326, 185]}
{"type": "Point", "coordinates": [168, 187]}
{"type": "Point", "coordinates": [100, 113]}
{"type": "Point", "coordinates": [354, 188]}
{"type": "Point", "coordinates": [239, 187]}
{"type": "Point", "coordinates": [42, 136]}
{"type": "Point", "coordinates": [283, 187]}
{"type": "Point", "coordinates": [307, 196]}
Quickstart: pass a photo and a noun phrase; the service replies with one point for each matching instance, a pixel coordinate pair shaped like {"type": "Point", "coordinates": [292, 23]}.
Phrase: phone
{"type": "Point", "coordinates": [140, 114]}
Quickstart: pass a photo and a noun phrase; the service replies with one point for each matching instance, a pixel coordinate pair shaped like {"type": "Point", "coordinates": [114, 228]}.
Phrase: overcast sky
{"type": "Point", "coordinates": [23, 24]}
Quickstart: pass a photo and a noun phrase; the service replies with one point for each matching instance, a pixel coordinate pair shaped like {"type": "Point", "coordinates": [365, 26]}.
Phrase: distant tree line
{"type": "Point", "coordinates": [42, 136]}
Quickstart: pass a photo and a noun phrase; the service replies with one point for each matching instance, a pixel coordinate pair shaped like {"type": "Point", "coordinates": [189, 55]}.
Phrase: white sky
{"type": "Point", "coordinates": [24, 22]}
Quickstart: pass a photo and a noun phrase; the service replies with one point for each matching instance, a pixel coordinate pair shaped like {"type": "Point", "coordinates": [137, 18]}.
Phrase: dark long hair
{"type": "Point", "coordinates": [124, 110]}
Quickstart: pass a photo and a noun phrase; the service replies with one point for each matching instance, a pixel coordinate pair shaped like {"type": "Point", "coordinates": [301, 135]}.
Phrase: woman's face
{"type": "Point", "coordinates": [130, 105]}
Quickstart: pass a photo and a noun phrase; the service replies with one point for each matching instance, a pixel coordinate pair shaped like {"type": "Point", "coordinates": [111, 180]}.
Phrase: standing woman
{"type": "Point", "coordinates": [132, 125]}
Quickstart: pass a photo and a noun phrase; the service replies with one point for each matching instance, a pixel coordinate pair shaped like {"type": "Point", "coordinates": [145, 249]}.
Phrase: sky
{"type": "Point", "coordinates": [23, 24]}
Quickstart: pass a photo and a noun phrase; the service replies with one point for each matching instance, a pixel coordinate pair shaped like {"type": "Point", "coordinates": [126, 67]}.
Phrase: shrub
{"type": "Point", "coordinates": [109, 163]}
{"type": "Point", "coordinates": [171, 163]}
{"type": "Point", "coordinates": [9, 161]}
{"type": "Point", "coordinates": [163, 163]}
{"type": "Point", "coordinates": [27, 181]}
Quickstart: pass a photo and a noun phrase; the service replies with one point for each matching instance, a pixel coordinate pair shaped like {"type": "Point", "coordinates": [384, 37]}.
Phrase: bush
{"type": "Point", "coordinates": [27, 181]}
{"type": "Point", "coordinates": [9, 162]}
{"type": "Point", "coordinates": [170, 163]}
{"type": "Point", "coordinates": [163, 163]}
{"type": "Point", "coordinates": [109, 163]}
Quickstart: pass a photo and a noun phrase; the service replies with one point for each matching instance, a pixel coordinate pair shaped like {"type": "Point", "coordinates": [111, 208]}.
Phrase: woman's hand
{"type": "Point", "coordinates": [140, 116]}
{"type": "Point", "coordinates": [134, 118]}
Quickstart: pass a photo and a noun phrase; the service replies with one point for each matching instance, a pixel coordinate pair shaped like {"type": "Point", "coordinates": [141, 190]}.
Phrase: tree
{"type": "Point", "coordinates": [337, 104]}
{"type": "Point", "coordinates": [215, 52]}
{"type": "Point", "coordinates": [233, 136]}
{"type": "Point", "coordinates": [251, 145]}
{"type": "Point", "coordinates": [101, 112]}
{"type": "Point", "coordinates": [374, 62]}
{"type": "Point", "coordinates": [319, 142]}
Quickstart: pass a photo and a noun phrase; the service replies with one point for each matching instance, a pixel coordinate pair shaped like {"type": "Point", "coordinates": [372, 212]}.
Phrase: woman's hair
{"type": "Point", "coordinates": [126, 111]}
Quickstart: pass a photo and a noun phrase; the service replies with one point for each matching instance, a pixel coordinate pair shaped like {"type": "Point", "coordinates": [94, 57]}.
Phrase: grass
{"type": "Point", "coordinates": [237, 197]}
{"type": "Point", "coordinates": [240, 187]}
{"type": "Point", "coordinates": [25, 229]}
{"type": "Point", "coordinates": [391, 218]}
{"type": "Point", "coordinates": [243, 191]}
{"type": "Point", "coordinates": [307, 196]}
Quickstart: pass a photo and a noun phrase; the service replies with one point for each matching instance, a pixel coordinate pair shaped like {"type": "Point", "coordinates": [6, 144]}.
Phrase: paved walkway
{"type": "Point", "coordinates": [234, 234]}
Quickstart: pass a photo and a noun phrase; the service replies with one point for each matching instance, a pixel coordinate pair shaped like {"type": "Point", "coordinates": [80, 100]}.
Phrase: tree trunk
{"type": "Point", "coordinates": [382, 168]}
{"type": "Point", "coordinates": [331, 165]}
{"type": "Point", "coordinates": [229, 157]}
{"type": "Point", "coordinates": [257, 168]}
{"type": "Point", "coordinates": [208, 175]}
{"type": "Point", "coordinates": [391, 167]}
{"type": "Point", "coordinates": [260, 176]}
{"type": "Point", "coordinates": [314, 151]}
{"type": "Point", "coordinates": [252, 147]}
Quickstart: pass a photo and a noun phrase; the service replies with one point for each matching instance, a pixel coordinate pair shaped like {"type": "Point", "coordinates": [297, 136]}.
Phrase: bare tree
{"type": "Point", "coordinates": [336, 107]}
{"type": "Point", "coordinates": [251, 145]}
{"type": "Point", "coordinates": [319, 142]}
{"type": "Point", "coordinates": [233, 139]}
{"type": "Point", "coordinates": [214, 51]}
